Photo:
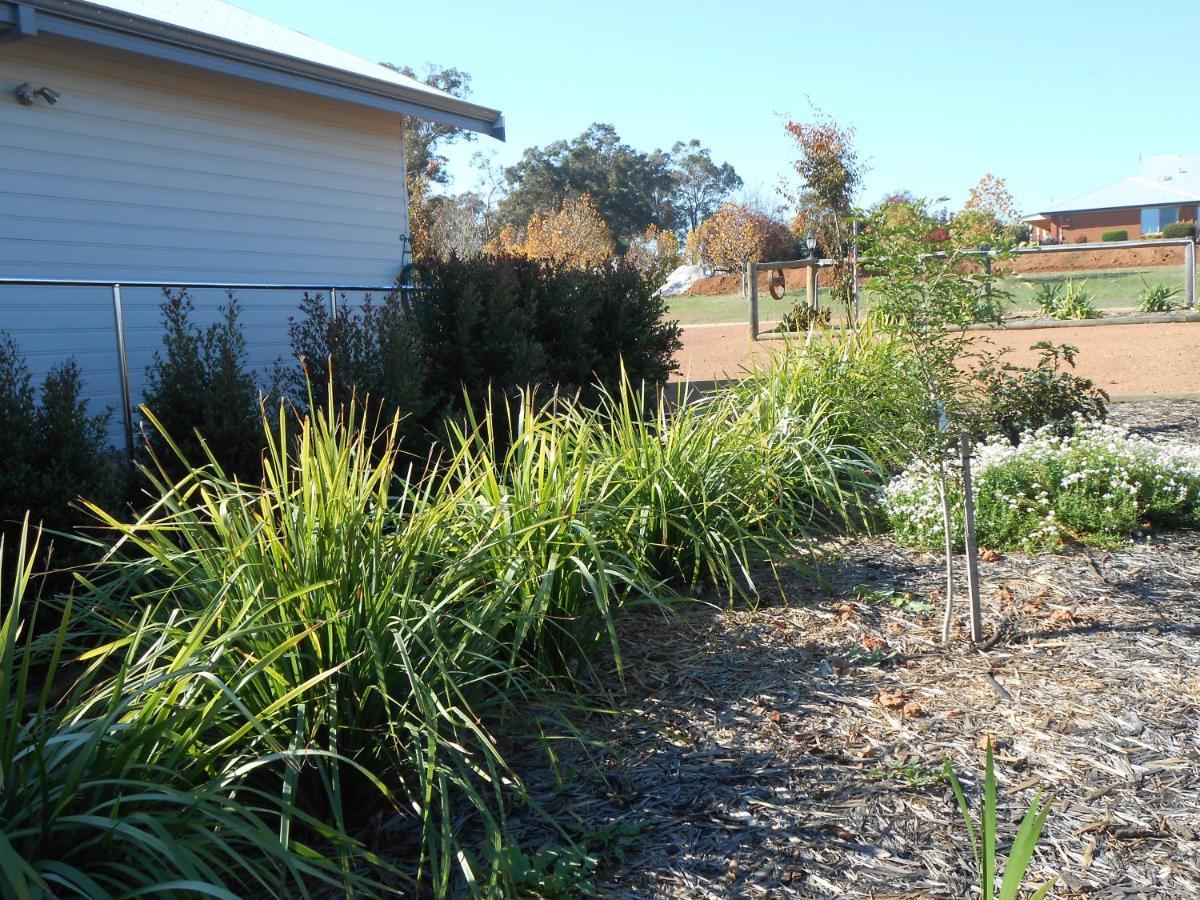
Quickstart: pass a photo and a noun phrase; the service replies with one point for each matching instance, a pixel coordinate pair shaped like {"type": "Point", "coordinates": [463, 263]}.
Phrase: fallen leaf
{"type": "Point", "coordinates": [1062, 617]}
{"type": "Point", "coordinates": [895, 627]}
{"type": "Point", "coordinates": [890, 699]}
{"type": "Point", "coordinates": [988, 556]}
{"type": "Point", "coordinates": [775, 716]}
{"type": "Point", "coordinates": [846, 613]}
{"type": "Point", "coordinates": [872, 643]}
{"type": "Point", "coordinates": [1005, 596]}
{"type": "Point", "coordinates": [912, 710]}
{"type": "Point", "coordinates": [840, 664]}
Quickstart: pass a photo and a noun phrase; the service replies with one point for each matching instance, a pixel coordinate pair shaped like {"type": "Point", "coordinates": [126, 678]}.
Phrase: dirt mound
{"type": "Point", "coordinates": [1076, 260]}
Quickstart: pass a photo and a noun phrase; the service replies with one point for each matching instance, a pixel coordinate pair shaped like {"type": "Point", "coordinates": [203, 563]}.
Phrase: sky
{"type": "Point", "coordinates": [1056, 98]}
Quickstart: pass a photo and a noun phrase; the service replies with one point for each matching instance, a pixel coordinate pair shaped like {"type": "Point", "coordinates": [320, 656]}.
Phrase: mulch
{"type": "Point", "coordinates": [793, 748]}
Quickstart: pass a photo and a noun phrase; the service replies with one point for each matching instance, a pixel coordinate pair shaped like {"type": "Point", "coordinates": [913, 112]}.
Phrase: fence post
{"type": "Point", "coordinates": [964, 443]}
{"type": "Point", "coordinates": [752, 279]}
{"type": "Point", "coordinates": [123, 371]}
{"type": "Point", "coordinates": [810, 285]}
{"type": "Point", "coordinates": [854, 268]}
{"type": "Point", "coordinates": [1189, 274]}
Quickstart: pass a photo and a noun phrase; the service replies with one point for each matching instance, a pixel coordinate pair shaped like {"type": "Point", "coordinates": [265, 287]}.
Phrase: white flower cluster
{"type": "Point", "coordinates": [1100, 476]}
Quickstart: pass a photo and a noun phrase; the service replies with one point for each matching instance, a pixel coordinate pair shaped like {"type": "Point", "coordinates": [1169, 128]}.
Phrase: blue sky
{"type": "Point", "coordinates": [1057, 98]}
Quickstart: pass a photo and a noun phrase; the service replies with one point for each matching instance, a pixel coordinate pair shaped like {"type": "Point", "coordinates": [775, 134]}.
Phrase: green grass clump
{"type": "Point", "coordinates": [257, 672]}
{"type": "Point", "coordinates": [1160, 297]}
{"type": "Point", "coordinates": [1069, 299]}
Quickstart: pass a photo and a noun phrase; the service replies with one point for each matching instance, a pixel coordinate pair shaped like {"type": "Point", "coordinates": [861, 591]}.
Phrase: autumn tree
{"type": "Point", "coordinates": [629, 188]}
{"type": "Point", "coordinates": [830, 175]}
{"type": "Point", "coordinates": [656, 253]}
{"type": "Point", "coordinates": [734, 236]}
{"type": "Point", "coordinates": [701, 185]}
{"type": "Point", "coordinates": [573, 236]}
{"type": "Point", "coordinates": [988, 217]}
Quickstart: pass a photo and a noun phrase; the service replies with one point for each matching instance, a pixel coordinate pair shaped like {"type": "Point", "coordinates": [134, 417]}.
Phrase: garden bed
{"type": "Point", "coordinates": [794, 749]}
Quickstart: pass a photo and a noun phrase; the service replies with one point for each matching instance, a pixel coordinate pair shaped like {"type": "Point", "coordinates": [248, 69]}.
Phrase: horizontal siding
{"type": "Point", "coordinates": [279, 183]}
{"type": "Point", "coordinates": [146, 170]}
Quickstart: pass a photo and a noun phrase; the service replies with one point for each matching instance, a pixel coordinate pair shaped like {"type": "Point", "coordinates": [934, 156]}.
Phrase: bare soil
{"type": "Point", "coordinates": [1122, 359]}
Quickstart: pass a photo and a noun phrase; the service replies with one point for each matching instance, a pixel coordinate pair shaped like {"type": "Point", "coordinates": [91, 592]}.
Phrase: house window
{"type": "Point", "coordinates": [1156, 218]}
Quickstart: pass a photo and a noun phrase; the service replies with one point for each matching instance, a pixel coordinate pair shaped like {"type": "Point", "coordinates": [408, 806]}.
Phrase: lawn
{"type": "Point", "coordinates": [1111, 289]}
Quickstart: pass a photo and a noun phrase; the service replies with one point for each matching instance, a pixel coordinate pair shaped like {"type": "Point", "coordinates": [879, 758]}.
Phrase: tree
{"type": "Point", "coordinates": [457, 225]}
{"type": "Point", "coordinates": [924, 297]}
{"type": "Point", "coordinates": [655, 253]}
{"type": "Point", "coordinates": [734, 236]}
{"type": "Point", "coordinates": [575, 236]}
{"type": "Point", "coordinates": [991, 195]}
{"type": "Point", "coordinates": [989, 216]}
{"type": "Point", "coordinates": [426, 166]}
{"type": "Point", "coordinates": [830, 175]}
{"type": "Point", "coordinates": [700, 184]}
{"type": "Point", "coordinates": [629, 189]}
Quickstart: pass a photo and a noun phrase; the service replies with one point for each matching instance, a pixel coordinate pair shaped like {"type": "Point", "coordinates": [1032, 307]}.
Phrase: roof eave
{"type": "Point", "coordinates": [97, 25]}
{"type": "Point", "coordinates": [1183, 199]}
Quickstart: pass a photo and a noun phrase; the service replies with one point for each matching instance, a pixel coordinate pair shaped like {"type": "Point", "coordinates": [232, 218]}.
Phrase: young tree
{"type": "Point", "coordinates": [988, 217]}
{"type": "Point", "coordinates": [700, 184]}
{"type": "Point", "coordinates": [830, 175]}
{"type": "Point", "coordinates": [925, 296]}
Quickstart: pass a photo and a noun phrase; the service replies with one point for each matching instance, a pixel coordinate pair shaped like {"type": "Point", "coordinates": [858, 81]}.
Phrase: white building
{"type": "Point", "coordinates": [190, 142]}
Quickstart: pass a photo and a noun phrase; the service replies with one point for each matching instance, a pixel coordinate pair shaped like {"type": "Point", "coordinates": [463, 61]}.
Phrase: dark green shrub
{"type": "Point", "coordinates": [1012, 400]}
{"type": "Point", "coordinates": [1180, 230]}
{"type": "Point", "coordinates": [52, 450]}
{"type": "Point", "coordinates": [1117, 234]}
{"type": "Point", "coordinates": [199, 388]}
{"type": "Point", "coordinates": [373, 351]}
{"type": "Point", "coordinates": [491, 324]}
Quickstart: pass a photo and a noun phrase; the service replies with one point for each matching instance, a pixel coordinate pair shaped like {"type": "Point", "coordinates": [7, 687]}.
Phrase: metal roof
{"type": "Point", "coordinates": [1163, 181]}
{"type": "Point", "coordinates": [220, 36]}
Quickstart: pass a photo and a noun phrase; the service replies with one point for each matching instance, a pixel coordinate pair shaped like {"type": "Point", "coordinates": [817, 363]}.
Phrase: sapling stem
{"type": "Point", "coordinates": [948, 616]}
{"type": "Point", "coordinates": [972, 550]}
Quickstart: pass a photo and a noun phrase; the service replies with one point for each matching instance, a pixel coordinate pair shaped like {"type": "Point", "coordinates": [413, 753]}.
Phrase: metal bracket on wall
{"type": "Point", "coordinates": [21, 20]}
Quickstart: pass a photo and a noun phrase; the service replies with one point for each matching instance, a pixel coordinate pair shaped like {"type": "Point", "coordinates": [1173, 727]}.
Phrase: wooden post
{"type": "Point", "coordinates": [964, 443]}
{"type": "Point", "coordinates": [752, 279]}
{"type": "Point", "coordinates": [1189, 275]}
{"type": "Point", "coordinates": [810, 286]}
{"type": "Point", "coordinates": [854, 269]}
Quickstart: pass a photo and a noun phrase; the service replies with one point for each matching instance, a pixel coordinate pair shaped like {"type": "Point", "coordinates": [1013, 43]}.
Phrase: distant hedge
{"type": "Point", "coordinates": [1180, 230]}
{"type": "Point", "coordinates": [1117, 234]}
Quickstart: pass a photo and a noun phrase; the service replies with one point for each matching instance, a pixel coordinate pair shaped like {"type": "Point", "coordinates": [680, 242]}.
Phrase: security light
{"type": "Point", "coordinates": [26, 95]}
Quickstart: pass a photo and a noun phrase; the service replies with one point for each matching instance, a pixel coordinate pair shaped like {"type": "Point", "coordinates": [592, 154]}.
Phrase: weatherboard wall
{"type": "Point", "coordinates": [149, 171]}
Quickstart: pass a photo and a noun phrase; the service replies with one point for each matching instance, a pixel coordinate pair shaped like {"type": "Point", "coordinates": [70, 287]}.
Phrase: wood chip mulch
{"type": "Point", "coordinates": [794, 749]}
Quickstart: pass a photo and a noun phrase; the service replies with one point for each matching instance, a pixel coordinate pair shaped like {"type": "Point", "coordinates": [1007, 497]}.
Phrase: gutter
{"type": "Point", "coordinates": [123, 31]}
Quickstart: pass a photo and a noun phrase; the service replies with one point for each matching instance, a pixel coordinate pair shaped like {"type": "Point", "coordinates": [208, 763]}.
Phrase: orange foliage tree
{"type": "Point", "coordinates": [655, 252]}
{"type": "Point", "coordinates": [574, 236]}
{"type": "Point", "coordinates": [734, 236]}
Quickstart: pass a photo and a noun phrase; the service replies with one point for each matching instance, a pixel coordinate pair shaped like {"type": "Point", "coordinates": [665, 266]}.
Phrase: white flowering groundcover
{"type": "Point", "coordinates": [1099, 485]}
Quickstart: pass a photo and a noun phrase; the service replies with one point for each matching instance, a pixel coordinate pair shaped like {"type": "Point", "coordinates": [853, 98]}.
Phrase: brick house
{"type": "Point", "coordinates": [1166, 190]}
